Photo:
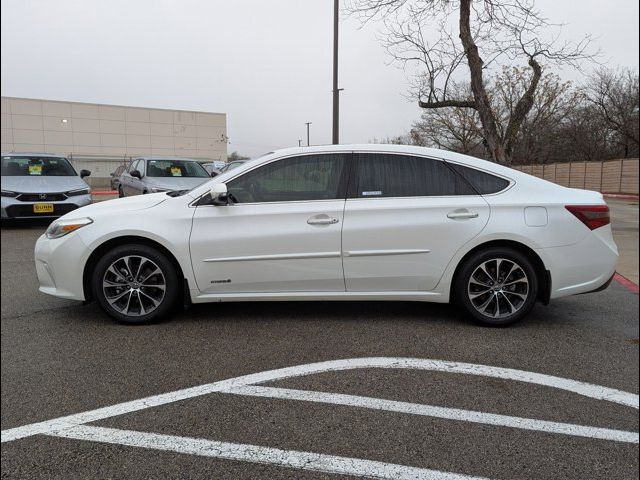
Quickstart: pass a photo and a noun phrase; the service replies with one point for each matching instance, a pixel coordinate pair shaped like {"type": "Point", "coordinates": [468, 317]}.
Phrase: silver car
{"type": "Point", "coordinates": [161, 174]}
{"type": "Point", "coordinates": [38, 185]}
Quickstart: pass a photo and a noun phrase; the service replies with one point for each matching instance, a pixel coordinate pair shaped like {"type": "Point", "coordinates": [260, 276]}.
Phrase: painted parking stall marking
{"type": "Point", "coordinates": [73, 426]}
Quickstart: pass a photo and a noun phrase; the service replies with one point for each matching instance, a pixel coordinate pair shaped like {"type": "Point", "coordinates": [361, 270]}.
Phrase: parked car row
{"type": "Point", "coordinates": [45, 185]}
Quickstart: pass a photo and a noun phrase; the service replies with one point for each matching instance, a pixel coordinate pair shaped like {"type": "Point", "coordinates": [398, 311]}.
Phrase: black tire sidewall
{"type": "Point", "coordinates": [460, 288]}
{"type": "Point", "coordinates": [168, 270]}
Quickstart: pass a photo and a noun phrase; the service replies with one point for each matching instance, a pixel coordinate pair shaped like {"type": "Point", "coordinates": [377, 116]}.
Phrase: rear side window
{"type": "Point", "coordinates": [483, 182]}
{"type": "Point", "coordinates": [304, 178]}
{"type": "Point", "coordinates": [387, 175]}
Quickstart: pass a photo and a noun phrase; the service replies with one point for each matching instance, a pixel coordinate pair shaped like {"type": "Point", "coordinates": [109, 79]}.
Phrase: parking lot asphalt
{"type": "Point", "coordinates": [61, 358]}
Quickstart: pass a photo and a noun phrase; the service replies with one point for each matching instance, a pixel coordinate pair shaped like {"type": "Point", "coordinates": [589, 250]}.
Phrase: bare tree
{"type": "Point", "coordinates": [235, 156]}
{"type": "Point", "coordinates": [451, 128]}
{"type": "Point", "coordinates": [459, 129]}
{"type": "Point", "coordinates": [488, 32]}
{"type": "Point", "coordinates": [614, 96]}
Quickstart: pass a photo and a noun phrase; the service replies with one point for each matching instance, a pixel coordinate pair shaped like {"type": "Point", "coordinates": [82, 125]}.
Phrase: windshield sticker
{"type": "Point", "coordinates": [375, 193]}
{"type": "Point", "coordinates": [176, 172]}
{"type": "Point", "coordinates": [35, 169]}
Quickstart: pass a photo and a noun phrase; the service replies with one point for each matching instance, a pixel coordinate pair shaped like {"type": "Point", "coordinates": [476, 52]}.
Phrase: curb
{"type": "Point", "coordinates": [626, 283]}
{"type": "Point", "coordinates": [621, 196]}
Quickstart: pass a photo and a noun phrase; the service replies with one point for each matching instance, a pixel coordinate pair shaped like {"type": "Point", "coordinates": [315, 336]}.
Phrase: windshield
{"type": "Point", "coordinates": [21, 166]}
{"type": "Point", "coordinates": [175, 168]}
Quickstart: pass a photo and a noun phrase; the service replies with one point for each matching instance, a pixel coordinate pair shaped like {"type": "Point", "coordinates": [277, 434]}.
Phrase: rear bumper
{"type": "Point", "coordinates": [12, 208]}
{"type": "Point", "coordinates": [584, 267]}
{"type": "Point", "coordinates": [604, 286]}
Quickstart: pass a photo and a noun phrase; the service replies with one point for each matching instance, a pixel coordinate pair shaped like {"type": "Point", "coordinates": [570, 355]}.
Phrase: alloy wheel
{"type": "Point", "coordinates": [134, 285]}
{"type": "Point", "coordinates": [498, 288]}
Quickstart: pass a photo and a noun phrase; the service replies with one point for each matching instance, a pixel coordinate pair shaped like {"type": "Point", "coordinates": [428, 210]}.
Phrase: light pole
{"type": "Point", "coordinates": [299, 142]}
{"type": "Point", "coordinates": [307, 124]}
{"type": "Point", "coordinates": [336, 90]}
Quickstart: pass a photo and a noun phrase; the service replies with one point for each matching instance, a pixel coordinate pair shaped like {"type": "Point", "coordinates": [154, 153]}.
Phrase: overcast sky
{"type": "Point", "coordinates": [265, 63]}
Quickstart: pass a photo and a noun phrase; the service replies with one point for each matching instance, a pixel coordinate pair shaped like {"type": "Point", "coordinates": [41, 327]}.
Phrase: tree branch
{"type": "Point", "coordinates": [448, 103]}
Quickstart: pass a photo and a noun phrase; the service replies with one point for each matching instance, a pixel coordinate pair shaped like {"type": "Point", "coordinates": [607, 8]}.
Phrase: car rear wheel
{"type": "Point", "coordinates": [135, 284]}
{"type": "Point", "coordinates": [497, 286]}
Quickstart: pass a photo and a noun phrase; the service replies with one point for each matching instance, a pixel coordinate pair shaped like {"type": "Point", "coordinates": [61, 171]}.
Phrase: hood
{"type": "Point", "coordinates": [118, 205]}
{"type": "Point", "coordinates": [44, 184]}
{"type": "Point", "coordinates": [175, 183]}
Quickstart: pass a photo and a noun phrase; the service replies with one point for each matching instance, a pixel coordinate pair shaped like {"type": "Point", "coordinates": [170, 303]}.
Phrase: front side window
{"type": "Point", "coordinates": [21, 166]}
{"type": "Point", "coordinates": [304, 178]}
{"type": "Point", "coordinates": [175, 168]}
{"type": "Point", "coordinates": [388, 175]}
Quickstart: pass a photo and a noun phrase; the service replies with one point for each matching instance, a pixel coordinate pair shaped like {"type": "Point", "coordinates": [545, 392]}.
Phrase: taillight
{"type": "Point", "coordinates": [593, 216]}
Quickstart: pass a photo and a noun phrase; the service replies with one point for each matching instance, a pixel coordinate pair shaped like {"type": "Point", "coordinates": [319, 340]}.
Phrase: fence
{"type": "Point", "coordinates": [609, 176]}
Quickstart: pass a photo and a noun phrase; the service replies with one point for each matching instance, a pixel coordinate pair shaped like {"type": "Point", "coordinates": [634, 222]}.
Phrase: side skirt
{"type": "Point", "coordinates": [319, 296]}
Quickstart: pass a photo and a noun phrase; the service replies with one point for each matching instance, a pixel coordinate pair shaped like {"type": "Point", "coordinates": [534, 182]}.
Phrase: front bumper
{"type": "Point", "coordinates": [14, 208]}
{"type": "Point", "coordinates": [59, 266]}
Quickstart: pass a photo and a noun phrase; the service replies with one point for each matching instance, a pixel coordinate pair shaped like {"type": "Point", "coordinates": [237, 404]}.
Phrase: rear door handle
{"type": "Point", "coordinates": [462, 214]}
{"type": "Point", "coordinates": [322, 219]}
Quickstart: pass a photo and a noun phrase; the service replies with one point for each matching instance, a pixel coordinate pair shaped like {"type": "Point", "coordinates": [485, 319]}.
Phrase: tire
{"type": "Point", "coordinates": [135, 300]}
{"type": "Point", "coordinates": [120, 192]}
{"type": "Point", "coordinates": [497, 286]}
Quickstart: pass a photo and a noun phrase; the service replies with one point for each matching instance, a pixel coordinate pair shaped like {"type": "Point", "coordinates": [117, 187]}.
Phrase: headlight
{"type": "Point", "coordinates": [9, 193]}
{"type": "Point", "coordinates": [60, 228]}
{"type": "Point", "coordinates": [158, 189]}
{"type": "Point", "coordinates": [80, 191]}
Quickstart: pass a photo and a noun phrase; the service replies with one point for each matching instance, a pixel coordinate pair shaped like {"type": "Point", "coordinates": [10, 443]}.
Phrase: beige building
{"type": "Point", "coordinates": [97, 135]}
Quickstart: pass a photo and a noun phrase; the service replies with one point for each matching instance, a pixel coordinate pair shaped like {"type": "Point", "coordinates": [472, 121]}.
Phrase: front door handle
{"type": "Point", "coordinates": [322, 219]}
{"type": "Point", "coordinates": [462, 215]}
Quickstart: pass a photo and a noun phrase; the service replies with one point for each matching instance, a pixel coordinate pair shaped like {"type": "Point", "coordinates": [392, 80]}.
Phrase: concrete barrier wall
{"type": "Point", "coordinates": [610, 176]}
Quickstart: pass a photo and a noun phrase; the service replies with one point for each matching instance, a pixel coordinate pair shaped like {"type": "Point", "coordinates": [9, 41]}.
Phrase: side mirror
{"type": "Point", "coordinates": [219, 194]}
{"type": "Point", "coordinates": [84, 173]}
{"type": "Point", "coordinates": [136, 174]}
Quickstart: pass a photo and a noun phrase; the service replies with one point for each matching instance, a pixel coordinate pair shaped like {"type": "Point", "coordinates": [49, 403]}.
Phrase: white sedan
{"type": "Point", "coordinates": [348, 222]}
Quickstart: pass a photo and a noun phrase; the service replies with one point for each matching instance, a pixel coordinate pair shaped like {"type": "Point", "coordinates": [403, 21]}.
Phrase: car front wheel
{"type": "Point", "coordinates": [497, 286]}
{"type": "Point", "coordinates": [135, 284]}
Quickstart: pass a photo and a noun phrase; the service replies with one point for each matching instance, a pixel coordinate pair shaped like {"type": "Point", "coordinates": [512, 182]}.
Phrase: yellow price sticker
{"type": "Point", "coordinates": [176, 172]}
{"type": "Point", "coordinates": [35, 169]}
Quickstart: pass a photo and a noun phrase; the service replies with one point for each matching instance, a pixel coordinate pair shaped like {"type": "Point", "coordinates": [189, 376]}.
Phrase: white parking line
{"type": "Point", "coordinates": [71, 426]}
{"type": "Point", "coordinates": [317, 462]}
{"type": "Point", "coordinates": [439, 412]}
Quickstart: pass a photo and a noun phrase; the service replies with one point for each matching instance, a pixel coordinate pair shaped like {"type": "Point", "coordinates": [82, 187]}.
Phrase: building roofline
{"type": "Point", "coordinates": [112, 105]}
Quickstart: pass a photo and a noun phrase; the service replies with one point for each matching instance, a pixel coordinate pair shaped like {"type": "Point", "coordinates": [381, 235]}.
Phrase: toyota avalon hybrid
{"type": "Point", "coordinates": [41, 185]}
{"type": "Point", "coordinates": [358, 222]}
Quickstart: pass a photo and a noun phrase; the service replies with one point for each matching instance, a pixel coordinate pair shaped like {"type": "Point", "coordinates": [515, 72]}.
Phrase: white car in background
{"type": "Point", "coordinates": [41, 185]}
{"type": "Point", "coordinates": [348, 222]}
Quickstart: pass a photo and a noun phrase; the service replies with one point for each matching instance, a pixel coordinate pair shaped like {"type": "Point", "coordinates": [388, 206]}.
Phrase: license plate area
{"type": "Point", "coordinates": [43, 208]}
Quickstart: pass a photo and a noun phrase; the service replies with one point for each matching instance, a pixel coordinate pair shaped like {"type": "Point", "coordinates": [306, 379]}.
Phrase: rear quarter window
{"type": "Point", "coordinates": [484, 183]}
